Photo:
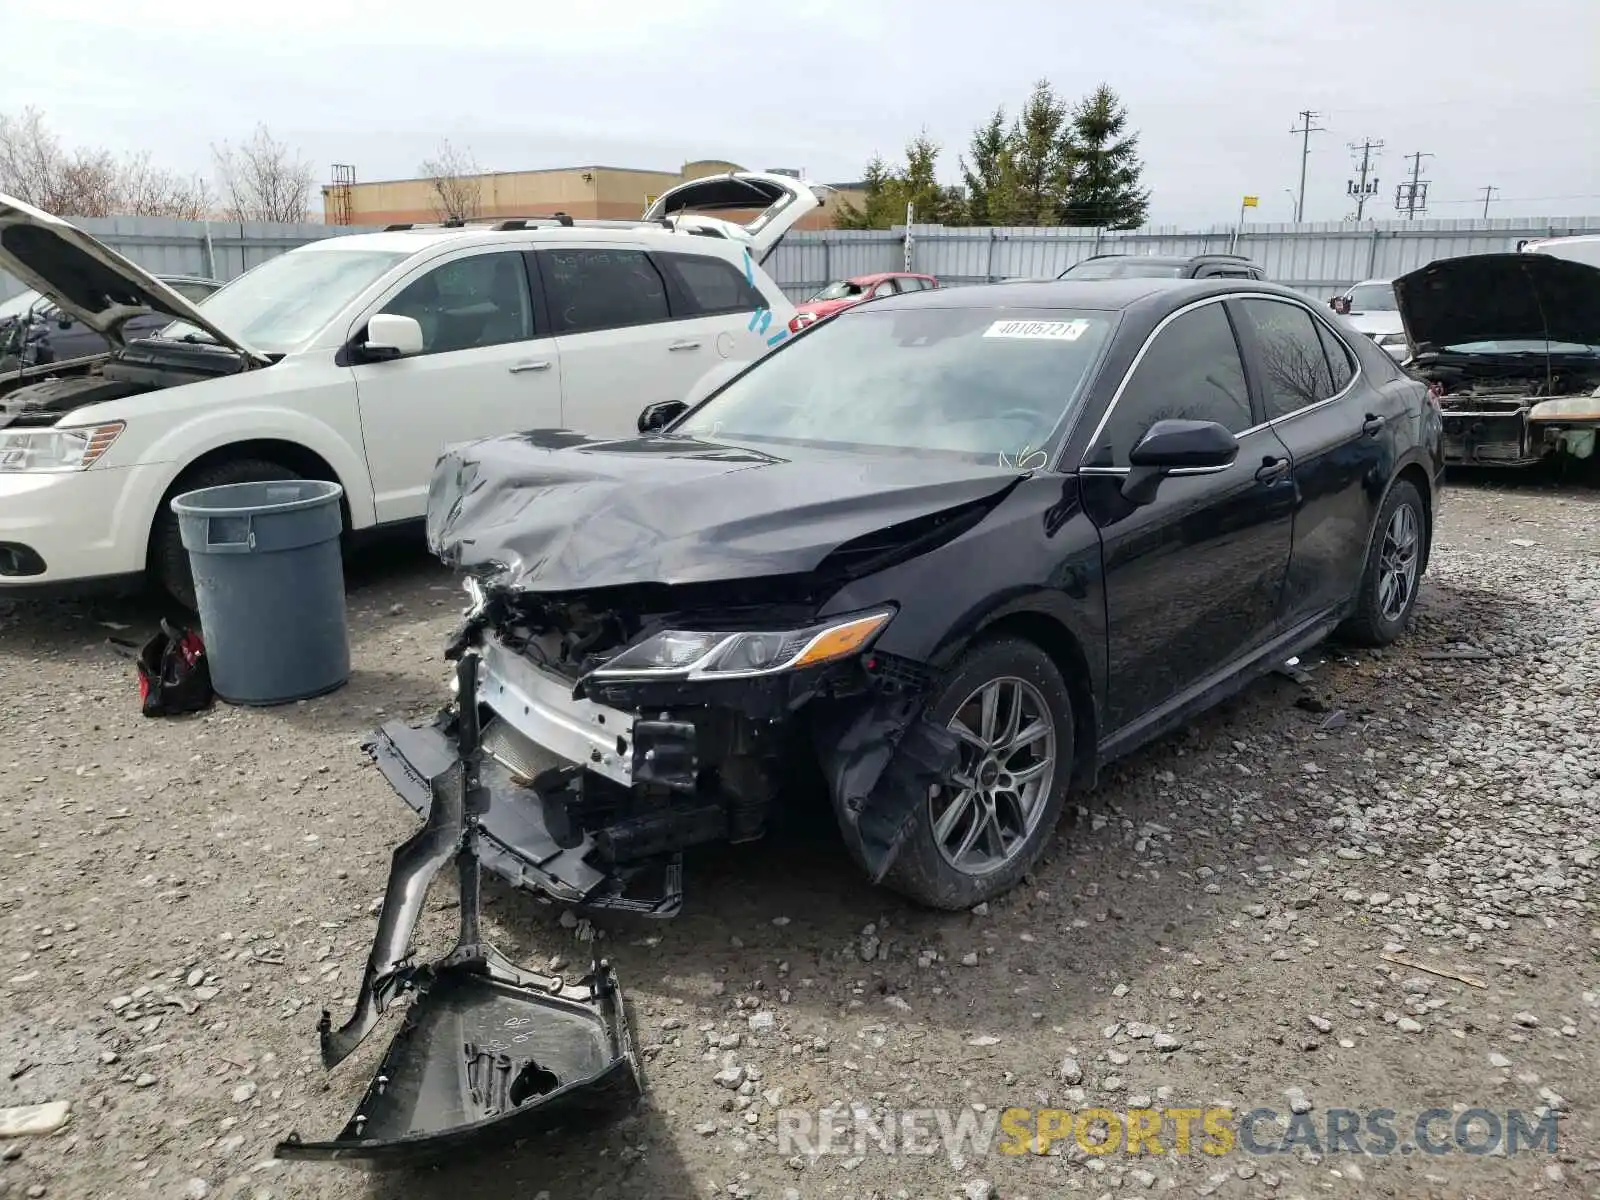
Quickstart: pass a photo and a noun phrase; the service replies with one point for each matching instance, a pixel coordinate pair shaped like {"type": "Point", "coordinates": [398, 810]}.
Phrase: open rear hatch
{"type": "Point", "coordinates": [778, 202]}
{"type": "Point", "coordinates": [488, 1052]}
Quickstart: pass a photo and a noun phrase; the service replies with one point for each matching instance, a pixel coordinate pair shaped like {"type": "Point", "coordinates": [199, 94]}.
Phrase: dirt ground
{"type": "Point", "coordinates": [1214, 926]}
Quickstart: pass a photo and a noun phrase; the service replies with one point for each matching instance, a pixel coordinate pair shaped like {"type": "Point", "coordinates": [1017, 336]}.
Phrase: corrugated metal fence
{"type": "Point", "coordinates": [1319, 258]}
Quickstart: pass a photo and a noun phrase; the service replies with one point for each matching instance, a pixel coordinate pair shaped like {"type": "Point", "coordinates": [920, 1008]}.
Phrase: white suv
{"type": "Point", "coordinates": [359, 358]}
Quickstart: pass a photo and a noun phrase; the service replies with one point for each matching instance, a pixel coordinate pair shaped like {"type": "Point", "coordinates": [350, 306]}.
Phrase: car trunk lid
{"type": "Point", "coordinates": [779, 201]}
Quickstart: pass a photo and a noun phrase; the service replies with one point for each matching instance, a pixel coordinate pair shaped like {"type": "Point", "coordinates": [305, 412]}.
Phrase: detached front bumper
{"type": "Point", "coordinates": [489, 1053]}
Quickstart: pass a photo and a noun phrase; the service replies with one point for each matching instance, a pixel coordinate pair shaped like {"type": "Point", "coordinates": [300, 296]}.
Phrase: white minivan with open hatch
{"type": "Point", "coordinates": [358, 358]}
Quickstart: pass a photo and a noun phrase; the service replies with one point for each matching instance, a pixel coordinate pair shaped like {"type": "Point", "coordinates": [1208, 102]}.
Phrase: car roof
{"type": "Point", "coordinates": [1110, 295]}
{"type": "Point", "coordinates": [413, 241]}
{"type": "Point", "coordinates": [1173, 259]}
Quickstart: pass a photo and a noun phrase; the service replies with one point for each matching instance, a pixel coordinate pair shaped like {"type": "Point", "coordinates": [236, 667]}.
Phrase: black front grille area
{"type": "Point", "coordinates": [19, 561]}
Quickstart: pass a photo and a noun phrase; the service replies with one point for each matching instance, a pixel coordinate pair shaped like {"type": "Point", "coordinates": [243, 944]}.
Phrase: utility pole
{"type": "Point", "coordinates": [1412, 198]}
{"type": "Point", "coordinates": [1360, 190]}
{"type": "Point", "coordinates": [1488, 194]}
{"type": "Point", "coordinates": [1305, 129]}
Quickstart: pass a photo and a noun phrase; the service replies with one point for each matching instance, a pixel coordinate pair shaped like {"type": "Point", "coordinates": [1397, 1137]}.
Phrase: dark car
{"type": "Point", "coordinates": [1164, 266]}
{"type": "Point", "coordinates": [42, 334]}
{"type": "Point", "coordinates": [938, 560]}
{"type": "Point", "coordinates": [1510, 344]}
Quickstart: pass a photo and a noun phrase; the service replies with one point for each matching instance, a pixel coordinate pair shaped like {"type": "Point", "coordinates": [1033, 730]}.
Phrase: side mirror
{"type": "Point", "coordinates": [392, 336]}
{"type": "Point", "coordinates": [1176, 445]}
{"type": "Point", "coordinates": [1340, 304]}
{"type": "Point", "coordinates": [64, 321]}
{"type": "Point", "coordinates": [660, 414]}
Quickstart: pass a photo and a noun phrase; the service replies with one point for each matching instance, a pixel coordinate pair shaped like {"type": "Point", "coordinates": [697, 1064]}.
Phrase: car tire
{"type": "Point", "coordinates": [169, 561]}
{"type": "Point", "coordinates": [1393, 570]}
{"type": "Point", "coordinates": [1020, 825]}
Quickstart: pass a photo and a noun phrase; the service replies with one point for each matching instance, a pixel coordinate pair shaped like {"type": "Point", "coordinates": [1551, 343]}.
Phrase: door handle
{"type": "Point", "coordinates": [690, 345]}
{"type": "Point", "coordinates": [1372, 424]}
{"type": "Point", "coordinates": [542, 364]}
{"type": "Point", "coordinates": [1272, 469]}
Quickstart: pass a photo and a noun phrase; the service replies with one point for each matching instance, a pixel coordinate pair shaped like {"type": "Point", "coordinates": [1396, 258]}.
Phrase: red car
{"type": "Point", "coordinates": [837, 297]}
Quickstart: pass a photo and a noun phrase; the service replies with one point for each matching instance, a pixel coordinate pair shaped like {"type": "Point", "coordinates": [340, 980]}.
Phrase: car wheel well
{"type": "Point", "coordinates": [307, 464]}
{"type": "Point", "coordinates": [1056, 640]}
{"type": "Point", "coordinates": [1413, 474]}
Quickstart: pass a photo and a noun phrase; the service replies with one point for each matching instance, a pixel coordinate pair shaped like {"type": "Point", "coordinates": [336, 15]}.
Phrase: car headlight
{"type": "Point", "coordinates": [56, 449]}
{"type": "Point", "coordinates": [692, 654]}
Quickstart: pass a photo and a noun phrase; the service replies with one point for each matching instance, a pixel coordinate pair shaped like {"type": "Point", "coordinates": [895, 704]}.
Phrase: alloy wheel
{"type": "Point", "coordinates": [1397, 562]}
{"type": "Point", "coordinates": [1008, 762]}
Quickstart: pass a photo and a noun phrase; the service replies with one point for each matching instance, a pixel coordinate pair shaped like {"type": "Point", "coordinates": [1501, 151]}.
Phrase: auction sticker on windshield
{"type": "Point", "coordinates": [1058, 331]}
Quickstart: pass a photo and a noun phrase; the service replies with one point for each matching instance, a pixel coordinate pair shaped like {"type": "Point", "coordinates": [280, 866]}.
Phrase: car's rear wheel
{"type": "Point", "coordinates": [169, 561]}
{"type": "Point", "coordinates": [975, 837]}
{"type": "Point", "coordinates": [1393, 570]}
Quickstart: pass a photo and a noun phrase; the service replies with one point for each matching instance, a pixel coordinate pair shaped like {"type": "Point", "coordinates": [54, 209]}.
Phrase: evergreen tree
{"type": "Point", "coordinates": [915, 181]}
{"type": "Point", "coordinates": [990, 159]}
{"type": "Point", "coordinates": [1040, 158]}
{"type": "Point", "coordinates": [1106, 170]}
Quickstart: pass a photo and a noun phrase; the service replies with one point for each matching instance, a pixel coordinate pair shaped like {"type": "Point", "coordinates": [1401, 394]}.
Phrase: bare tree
{"type": "Point", "coordinates": [263, 179]}
{"type": "Point", "coordinates": [149, 191]}
{"type": "Point", "coordinates": [457, 183]}
{"type": "Point", "coordinates": [84, 182]}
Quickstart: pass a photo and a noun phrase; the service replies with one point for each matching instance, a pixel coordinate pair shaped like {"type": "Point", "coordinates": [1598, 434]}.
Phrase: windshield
{"type": "Point", "coordinates": [18, 305]}
{"type": "Point", "coordinates": [1522, 346]}
{"type": "Point", "coordinates": [842, 290]}
{"type": "Point", "coordinates": [984, 384]}
{"type": "Point", "coordinates": [278, 305]}
{"type": "Point", "coordinates": [1373, 297]}
{"type": "Point", "coordinates": [1122, 267]}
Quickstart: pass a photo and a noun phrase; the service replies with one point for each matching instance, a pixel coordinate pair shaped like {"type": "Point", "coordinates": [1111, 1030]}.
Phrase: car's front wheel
{"type": "Point", "coordinates": [1393, 569]}
{"type": "Point", "coordinates": [976, 835]}
{"type": "Point", "coordinates": [169, 561]}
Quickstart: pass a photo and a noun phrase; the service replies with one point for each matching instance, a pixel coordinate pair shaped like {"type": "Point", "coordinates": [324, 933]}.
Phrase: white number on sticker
{"type": "Point", "coordinates": [1059, 331]}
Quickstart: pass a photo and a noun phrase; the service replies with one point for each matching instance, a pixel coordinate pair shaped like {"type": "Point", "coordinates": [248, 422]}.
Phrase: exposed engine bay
{"type": "Point", "coordinates": [1512, 421]}
{"type": "Point", "coordinates": [43, 395]}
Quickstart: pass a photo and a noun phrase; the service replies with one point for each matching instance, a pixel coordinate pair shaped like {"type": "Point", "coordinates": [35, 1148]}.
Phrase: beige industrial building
{"type": "Point", "coordinates": [613, 193]}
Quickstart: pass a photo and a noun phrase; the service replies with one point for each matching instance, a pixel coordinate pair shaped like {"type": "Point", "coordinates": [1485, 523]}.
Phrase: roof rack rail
{"type": "Point", "coordinates": [502, 224]}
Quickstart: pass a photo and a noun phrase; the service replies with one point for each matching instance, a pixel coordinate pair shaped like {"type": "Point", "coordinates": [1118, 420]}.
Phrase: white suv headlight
{"type": "Point", "coordinates": [56, 449]}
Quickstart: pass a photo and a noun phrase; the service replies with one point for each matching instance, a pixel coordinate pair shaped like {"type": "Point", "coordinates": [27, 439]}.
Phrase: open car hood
{"type": "Point", "coordinates": [554, 511]}
{"type": "Point", "coordinates": [90, 280]}
{"type": "Point", "coordinates": [780, 200]}
{"type": "Point", "coordinates": [1500, 297]}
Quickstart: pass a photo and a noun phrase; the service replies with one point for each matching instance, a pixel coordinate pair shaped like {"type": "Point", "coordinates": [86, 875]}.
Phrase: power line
{"type": "Point", "coordinates": [1488, 194]}
{"type": "Point", "coordinates": [1360, 189]}
{"type": "Point", "coordinates": [1305, 130]}
{"type": "Point", "coordinates": [1412, 198]}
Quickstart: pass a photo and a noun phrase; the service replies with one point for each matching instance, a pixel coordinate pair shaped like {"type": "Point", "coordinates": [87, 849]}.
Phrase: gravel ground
{"type": "Point", "coordinates": [1214, 926]}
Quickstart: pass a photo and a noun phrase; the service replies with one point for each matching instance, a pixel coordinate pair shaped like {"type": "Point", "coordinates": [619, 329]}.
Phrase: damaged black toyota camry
{"type": "Point", "coordinates": [934, 562]}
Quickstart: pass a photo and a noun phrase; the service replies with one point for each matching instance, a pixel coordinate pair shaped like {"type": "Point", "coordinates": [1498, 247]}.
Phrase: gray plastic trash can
{"type": "Point", "coordinates": [269, 584]}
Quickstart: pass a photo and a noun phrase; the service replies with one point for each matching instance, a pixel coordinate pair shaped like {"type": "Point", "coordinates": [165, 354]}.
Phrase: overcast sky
{"type": "Point", "coordinates": [1503, 95]}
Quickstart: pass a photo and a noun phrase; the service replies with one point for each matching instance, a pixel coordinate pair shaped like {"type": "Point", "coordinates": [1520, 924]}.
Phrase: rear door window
{"type": "Point", "coordinates": [1292, 357]}
{"type": "Point", "coordinates": [708, 286]}
{"type": "Point", "coordinates": [594, 289]}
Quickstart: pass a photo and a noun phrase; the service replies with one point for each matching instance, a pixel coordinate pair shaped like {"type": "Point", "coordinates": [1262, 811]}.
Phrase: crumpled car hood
{"type": "Point", "coordinates": [554, 511]}
{"type": "Point", "coordinates": [1500, 297]}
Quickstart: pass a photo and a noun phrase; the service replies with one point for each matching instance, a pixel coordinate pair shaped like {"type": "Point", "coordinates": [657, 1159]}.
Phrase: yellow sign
{"type": "Point", "coordinates": [1251, 201]}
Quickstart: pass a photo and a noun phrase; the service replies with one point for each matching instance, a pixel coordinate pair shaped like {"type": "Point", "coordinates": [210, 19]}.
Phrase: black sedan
{"type": "Point", "coordinates": [937, 560]}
